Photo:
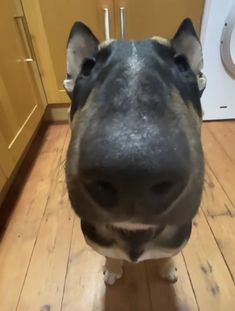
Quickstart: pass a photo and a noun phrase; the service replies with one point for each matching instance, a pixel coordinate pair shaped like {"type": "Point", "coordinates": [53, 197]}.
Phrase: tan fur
{"type": "Point", "coordinates": [179, 102]}
{"type": "Point", "coordinates": [162, 40]}
{"type": "Point", "coordinates": [104, 44]}
{"type": "Point", "coordinates": [167, 270]}
{"type": "Point", "coordinates": [197, 119]}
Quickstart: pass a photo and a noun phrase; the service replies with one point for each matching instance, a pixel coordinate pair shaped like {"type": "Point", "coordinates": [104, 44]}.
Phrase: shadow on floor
{"type": "Point", "coordinates": [140, 289]}
{"type": "Point", "coordinates": [11, 198]}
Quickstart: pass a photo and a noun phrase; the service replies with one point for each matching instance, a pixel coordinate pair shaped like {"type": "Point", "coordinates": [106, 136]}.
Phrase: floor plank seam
{"type": "Point", "coordinates": [53, 183]}
{"type": "Point", "coordinates": [31, 255]}
{"type": "Point", "coordinates": [148, 286]}
{"type": "Point", "coordinates": [225, 261]}
{"type": "Point", "coordinates": [67, 265]}
{"type": "Point", "coordinates": [219, 215]}
{"type": "Point", "coordinates": [225, 192]}
{"type": "Point", "coordinates": [206, 274]}
{"type": "Point", "coordinates": [219, 143]}
{"type": "Point", "coordinates": [190, 280]}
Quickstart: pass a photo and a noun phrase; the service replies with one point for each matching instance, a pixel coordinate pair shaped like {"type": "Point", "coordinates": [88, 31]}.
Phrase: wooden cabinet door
{"type": "Point", "coordinates": [49, 23]}
{"type": "Point", "coordinates": [156, 17]}
{"type": "Point", "coordinates": [21, 105]}
{"type": "Point", "coordinates": [2, 179]}
{"type": "Point", "coordinates": [6, 160]}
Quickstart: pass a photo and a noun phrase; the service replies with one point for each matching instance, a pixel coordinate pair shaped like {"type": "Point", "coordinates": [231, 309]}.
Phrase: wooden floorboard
{"type": "Point", "coordinates": [219, 160]}
{"type": "Point", "coordinates": [45, 264]}
{"type": "Point", "coordinates": [19, 240]}
{"type": "Point", "coordinates": [165, 296]}
{"type": "Point", "coordinates": [83, 286]}
{"type": "Point", "coordinates": [215, 201]}
{"type": "Point", "coordinates": [211, 280]}
{"type": "Point", "coordinates": [47, 269]}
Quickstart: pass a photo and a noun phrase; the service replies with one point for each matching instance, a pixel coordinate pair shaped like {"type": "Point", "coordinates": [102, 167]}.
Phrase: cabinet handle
{"type": "Point", "coordinates": [122, 22]}
{"type": "Point", "coordinates": [23, 28]}
{"type": "Point", "coordinates": [28, 60]}
{"type": "Point", "coordinates": [106, 24]}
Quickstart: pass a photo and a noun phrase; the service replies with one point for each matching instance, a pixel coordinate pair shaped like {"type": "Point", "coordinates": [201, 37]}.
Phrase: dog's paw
{"type": "Point", "coordinates": [110, 278]}
{"type": "Point", "coordinates": [170, 274]}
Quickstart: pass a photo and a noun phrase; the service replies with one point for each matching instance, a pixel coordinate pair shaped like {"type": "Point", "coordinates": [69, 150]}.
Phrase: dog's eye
{"type": "Point", "coordinates": [181, 62]}
{"type": "Point", "coordinates": [87, 66]}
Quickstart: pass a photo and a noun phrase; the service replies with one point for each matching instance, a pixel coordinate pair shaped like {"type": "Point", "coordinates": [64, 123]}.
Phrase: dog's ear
{"type": "Point", "coordinates": [186, 42]}
{"type": "Point", "coordinates": [82, 44]}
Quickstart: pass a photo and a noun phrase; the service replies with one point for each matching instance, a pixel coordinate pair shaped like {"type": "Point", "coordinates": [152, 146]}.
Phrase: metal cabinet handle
{"type": "Point", "coordinates": [28, 60]}
{"type": "Point", "coordinates": [122, 22]}
{"type": "Point", "coordinates": [106, 24]}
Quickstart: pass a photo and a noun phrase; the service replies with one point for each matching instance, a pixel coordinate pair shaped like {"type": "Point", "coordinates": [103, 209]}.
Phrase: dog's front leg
{"type": "Point", "coordinates": [167, 270]}
{"type": "Point", "coordinates": [112, 270]}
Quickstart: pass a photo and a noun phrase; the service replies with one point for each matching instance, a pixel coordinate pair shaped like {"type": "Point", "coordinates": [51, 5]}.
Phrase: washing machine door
{"type": "Point", "coordinates": [218, 43]}
{"type": "Point", "coordinates": [227, 43]}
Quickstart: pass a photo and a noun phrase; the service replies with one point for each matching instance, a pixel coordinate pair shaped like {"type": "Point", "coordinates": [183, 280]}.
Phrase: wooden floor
{"type": "Point", "coordinates": [45, 264]}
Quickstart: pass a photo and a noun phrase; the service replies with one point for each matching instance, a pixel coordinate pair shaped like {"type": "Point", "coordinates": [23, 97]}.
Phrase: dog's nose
{"type": "Point", "coordinates": [139, 182]}
{"type": "Point", "coordinates": [142, 190]}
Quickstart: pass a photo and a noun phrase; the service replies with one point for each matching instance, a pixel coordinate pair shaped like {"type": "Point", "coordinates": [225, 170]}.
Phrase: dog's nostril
{"type": "Point", "coordinates": [162, 187]}
{"type": "Point", "coordinates": [102, 192]}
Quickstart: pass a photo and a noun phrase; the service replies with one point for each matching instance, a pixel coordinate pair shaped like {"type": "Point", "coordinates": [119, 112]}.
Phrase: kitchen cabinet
{"type": "Point", "coordinates": [6, 160]}
{"type": "Point", "coordinates": [22, 100]}
{"type": "Point", "coordinates": [140, 19]}
{"type": "Point", "coordinates": [50, 22]}
{"type": "Point", "coordinates": [2, 179]}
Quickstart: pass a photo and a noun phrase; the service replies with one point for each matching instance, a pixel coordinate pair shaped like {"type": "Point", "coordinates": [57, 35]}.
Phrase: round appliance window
{"type": "Point", "coordinates": [227, 43]}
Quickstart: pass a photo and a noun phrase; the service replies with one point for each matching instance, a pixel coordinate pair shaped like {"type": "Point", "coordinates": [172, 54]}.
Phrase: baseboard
{"type": "Point", "coordinates": [57, 113]}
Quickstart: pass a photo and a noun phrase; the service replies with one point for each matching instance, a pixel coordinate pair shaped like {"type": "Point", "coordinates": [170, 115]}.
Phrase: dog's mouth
{"type": "Point", "coordinates": [132, 226]}
{"type": "Point", "coordinates": [130, 229]}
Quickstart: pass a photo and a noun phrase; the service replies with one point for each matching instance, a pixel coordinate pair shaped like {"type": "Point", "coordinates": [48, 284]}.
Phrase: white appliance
{"type": "Point", "coordinates": [218, 43]}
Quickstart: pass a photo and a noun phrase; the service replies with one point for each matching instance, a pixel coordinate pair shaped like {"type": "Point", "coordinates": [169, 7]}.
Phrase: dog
{"type": "Point", "coordinates": [135, 166]}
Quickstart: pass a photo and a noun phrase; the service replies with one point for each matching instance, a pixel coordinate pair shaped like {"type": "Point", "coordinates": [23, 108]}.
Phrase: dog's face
{"type": "Point", "coordinates": [135, 154]}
